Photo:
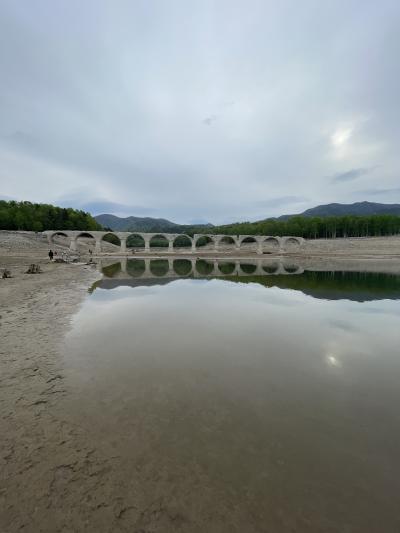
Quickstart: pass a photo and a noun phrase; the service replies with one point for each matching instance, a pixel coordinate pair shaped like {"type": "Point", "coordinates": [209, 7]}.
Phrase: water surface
{"type": "Point", "coordinates": [246, 401]}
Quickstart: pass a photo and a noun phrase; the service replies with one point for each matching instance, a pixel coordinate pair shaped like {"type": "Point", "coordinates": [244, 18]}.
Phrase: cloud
{"type": "Point", "coordinates": [209, 120]}
{"type": "Point", "coordinates": [281, 201]}
{"type": "Point", "coordinates": [20, 140]}
{"type": "Point", "coordinates": [166, 109]}
{"type": "Point", "coordinates": [197, 221]}
{"type": "Point", "coordinates": [100, 206]}
{"type": "Point", "coordinates": [342, 324]}
{"type": "Point", "coordinates": [6, 198]}
{"type": "Point", "coordinates": [351, 175]}
{"type": "Point", "coordinates": [379, 192]}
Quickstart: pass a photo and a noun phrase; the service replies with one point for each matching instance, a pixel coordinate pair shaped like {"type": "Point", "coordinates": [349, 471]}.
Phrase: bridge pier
{"type": "Point", "coordinates": [147, 272]}
{"type": "Point", "coordinates": [259, 269]}
{"type": "Point", "coordinates": [237, 269]}
{"type": "Point", "coordinates": [215, 270]}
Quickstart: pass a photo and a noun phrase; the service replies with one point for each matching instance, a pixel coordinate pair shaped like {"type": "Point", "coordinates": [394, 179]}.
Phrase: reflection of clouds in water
{"type": "Point", "coordinates": [213, 318]}
{"type": "Point", "coordinates": [255, 293]}
{"type": "Point", "coordinates": [276, 296]}
{"type": "Point", "coordinates": [343, 325]}
{"type": "Point", "coordinates": [343, 337]}
{"type": "Point", "coordinates": [121, 292]}
{"type": "Point", "coordinates": [391, 308]}
{"type": "Point", "coordinates": [204, 303]}
{"type": "Point", "coordinates": [105, 307]}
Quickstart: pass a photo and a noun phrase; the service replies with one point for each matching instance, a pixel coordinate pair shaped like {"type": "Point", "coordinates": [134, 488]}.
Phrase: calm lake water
{"type": "Point", "coordinates": [246, 399]}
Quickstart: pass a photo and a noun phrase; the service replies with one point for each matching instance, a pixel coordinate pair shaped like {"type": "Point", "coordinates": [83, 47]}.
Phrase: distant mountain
{"type": "Point", "coordinates": [135, 223]}
{"type": "Point", "coordinates": [145, 224]}
{"type": "Point", "coordinates": [358, 208]}
{"type": "Point", "coordinates": [153, 225]}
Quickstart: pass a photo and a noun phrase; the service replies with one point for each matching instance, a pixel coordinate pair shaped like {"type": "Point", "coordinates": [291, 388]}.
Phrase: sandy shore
{"type": "Point", "coordinates": [55, 476]}
{"type": "Point", "coordinates": [41, 451]}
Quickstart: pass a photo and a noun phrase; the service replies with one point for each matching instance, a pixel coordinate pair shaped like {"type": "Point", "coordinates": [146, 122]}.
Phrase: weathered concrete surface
{"type": "Point", "coordinates": [260, 241]}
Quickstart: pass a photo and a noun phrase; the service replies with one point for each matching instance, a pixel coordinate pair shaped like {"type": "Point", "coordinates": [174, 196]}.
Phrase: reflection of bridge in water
{"type": "Point", "coordinates": [150, 268]}
{"type": "Point", "coordinates": [268, 272]}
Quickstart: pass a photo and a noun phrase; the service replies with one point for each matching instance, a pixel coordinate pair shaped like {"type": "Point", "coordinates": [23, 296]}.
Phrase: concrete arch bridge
{"type": "Point", "coordinates": [259, 243]}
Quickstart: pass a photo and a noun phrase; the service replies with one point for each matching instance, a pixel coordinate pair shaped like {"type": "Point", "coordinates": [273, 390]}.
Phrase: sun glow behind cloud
{"type": "Point", "coordinates": [341, 136]}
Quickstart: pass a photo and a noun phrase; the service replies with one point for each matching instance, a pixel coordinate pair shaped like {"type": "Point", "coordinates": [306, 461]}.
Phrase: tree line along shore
{"type": "Point", "coordinates": [27, 216]}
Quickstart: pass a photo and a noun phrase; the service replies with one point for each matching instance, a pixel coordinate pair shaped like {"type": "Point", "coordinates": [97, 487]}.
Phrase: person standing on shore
{"type": "Point", "coordinates": [51, 255]}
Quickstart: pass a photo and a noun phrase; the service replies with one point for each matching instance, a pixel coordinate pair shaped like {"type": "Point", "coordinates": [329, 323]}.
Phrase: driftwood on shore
{"type": "Point", "coordinates": [34, 269]}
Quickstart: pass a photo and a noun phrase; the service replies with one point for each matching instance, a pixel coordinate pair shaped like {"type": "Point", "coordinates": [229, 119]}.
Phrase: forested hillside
{"type": "Point", "coordinates": [146, 224]}
{"type": "Point", "coordinates": [39, 217]}
{"type": "Point", "coordinates": [318, 227]}
{"type": "Point", "coordinates": [355, 209]}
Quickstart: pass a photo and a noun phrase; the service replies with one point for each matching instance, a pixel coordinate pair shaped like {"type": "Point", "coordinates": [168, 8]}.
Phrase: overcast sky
{"type": "Point", "coordinates": [199, 110]}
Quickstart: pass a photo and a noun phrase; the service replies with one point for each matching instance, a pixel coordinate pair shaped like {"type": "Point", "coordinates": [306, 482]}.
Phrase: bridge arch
{"type": "Point", "coordinates": [271, 269]}
{"type": "Point", "coordinates": [53, 235]}
{"type": "Point", "coordinates": [92, 244]}
{"type": "Point", "coordinates": [182, 241]}
{"type": "Point", "coordinates": [203, 267]}
{"type": "Point", "coordinates": [182, 267]}
{"type": "Point", "coordinates": [228, 242]}
{"type": "Point", "coordinates": [135, 241]}
{"type": "Point", "coordinates": [247, 268]}
{"type": "Point", "coordinates": [205, 240]}
{"type": "Point", "coordinates": [226, 268]}
{"type": "Point", "coordinates": [291, 243]}
{"type": "Point", "coordinates": [159, 240]}
{"type": "Point", "coordinates": [270, 244]}
{"type": "Point", "coordinates": [159, 267]}
{"type": "Point", "coordinates": [136, 268]}
{"type": "Point", "coordinates": [248, 242]}
{"type": "Point", "coordinates": [86, 234]}
{"type": "Point", "coordinates": [290, 269]}
{"type": "Point", "coordinates": [111, 238]}
{"type": "Point", "coordinates": [112, 270]}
